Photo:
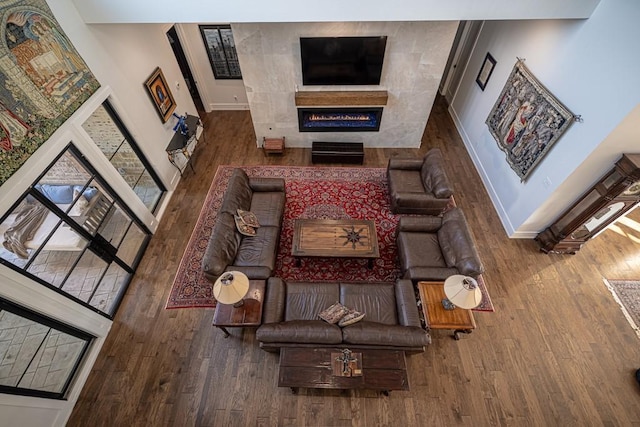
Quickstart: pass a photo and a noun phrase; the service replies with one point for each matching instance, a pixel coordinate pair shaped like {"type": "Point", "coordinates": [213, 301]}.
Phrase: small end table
{"type": "Point", "coordinates": [247, 315]}
{"type": "Point", "coordinates": [437, 317]}
{"type": "Point", "coordinates": [273, 145]}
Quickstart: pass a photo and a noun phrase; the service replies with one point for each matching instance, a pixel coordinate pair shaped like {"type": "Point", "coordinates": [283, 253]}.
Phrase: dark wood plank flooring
{"type": "Point", "coordinates": [557, 351]}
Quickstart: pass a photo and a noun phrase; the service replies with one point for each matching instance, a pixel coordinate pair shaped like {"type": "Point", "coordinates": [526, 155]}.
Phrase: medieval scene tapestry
{"type": "Point", "coordinates": [43, 80]}
{"type": "Point", "coordinates": [526, 120]}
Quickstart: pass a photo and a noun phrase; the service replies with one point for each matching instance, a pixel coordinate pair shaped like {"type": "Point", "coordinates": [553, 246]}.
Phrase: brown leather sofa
{"type": "Point", "coordinates": [290, 316]}
{"type": "Point", "coordinates": [253, 255]}
{"type": "Point", "coordinates": [434, 248]}
{"type": "Point", "coordinates": [419, 186]}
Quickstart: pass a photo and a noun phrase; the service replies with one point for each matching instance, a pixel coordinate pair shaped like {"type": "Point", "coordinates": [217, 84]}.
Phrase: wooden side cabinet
{"type": "Point", "coordinates": [611, 197]}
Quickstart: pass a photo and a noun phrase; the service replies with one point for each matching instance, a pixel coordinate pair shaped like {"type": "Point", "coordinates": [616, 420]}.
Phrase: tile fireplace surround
{"type": "Point", "coordinates": [415, 58]}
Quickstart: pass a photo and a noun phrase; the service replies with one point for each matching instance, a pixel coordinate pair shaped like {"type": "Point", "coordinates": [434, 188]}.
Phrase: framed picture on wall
{"type": "Point", "coordinates": [160, 94]}
{"type": "Point", "coordinates": [485, 71]}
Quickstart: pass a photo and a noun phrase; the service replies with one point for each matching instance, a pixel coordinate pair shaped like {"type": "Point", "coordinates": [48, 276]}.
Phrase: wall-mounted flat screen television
{"type": "Point", "coordinates": [342, 60]}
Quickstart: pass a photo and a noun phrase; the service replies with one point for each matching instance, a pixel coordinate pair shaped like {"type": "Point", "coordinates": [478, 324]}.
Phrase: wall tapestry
{"type": "Point", "coordinates": [43, 80]}
{"type": "Point", "coordinates": [527, 120]}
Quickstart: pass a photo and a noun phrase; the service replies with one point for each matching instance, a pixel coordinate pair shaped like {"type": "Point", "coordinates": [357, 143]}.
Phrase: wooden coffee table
{"type": "Point", "coordinates": [308, 367]}
{"type": "Point", "coordinates": [247, 315]}
{"type": "Point", "coordinates": [458, 319]}
{"type": "Point", "coordinates": [335, 238]}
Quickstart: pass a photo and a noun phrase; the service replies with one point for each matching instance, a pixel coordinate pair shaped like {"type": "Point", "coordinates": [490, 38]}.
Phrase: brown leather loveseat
{"type": "Point", "coordinates": [434, 248]}
{"type": "Point", "coordinates": [290, 316]}
{"type": "Point", "coordinates": [255, 256]}
{"type": "Point", "coordinates": [419, 186]}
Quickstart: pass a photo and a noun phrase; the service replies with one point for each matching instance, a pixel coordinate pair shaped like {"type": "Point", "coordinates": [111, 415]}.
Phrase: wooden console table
{"type": "Point", "coordinates": [309, 367]}
{"type": "Point", "coordinates": [184, 145]}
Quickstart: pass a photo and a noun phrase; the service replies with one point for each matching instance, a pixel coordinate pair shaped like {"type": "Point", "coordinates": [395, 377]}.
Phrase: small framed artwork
{"type": "Point", "coordinates": [485, 71]}
{"type": "Point", "coordinates": [160, 94]}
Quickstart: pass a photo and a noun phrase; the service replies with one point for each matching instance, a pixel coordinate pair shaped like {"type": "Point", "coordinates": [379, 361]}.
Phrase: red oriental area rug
{"type": "Point", "coordinates": [311, 192]}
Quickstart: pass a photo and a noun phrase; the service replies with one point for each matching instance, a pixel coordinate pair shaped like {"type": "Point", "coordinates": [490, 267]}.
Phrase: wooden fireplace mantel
{"type": "Point", "coordinates": [341, 98]}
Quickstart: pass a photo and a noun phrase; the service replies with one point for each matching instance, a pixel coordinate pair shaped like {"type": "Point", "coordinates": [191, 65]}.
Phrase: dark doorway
{"type": "Point", "coordinates": [172, 35]}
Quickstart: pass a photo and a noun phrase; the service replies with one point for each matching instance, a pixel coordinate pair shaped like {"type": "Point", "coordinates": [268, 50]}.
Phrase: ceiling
{"type": "Point", "coordinates": [185, 11]}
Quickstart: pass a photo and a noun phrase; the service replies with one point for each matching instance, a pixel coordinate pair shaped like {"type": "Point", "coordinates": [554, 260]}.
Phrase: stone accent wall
{"type": "Point", "coordinates": [415, 58]}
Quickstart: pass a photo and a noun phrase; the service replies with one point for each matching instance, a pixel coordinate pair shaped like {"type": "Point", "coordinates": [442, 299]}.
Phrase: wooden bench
{"type": "Point", "coordinates": [337, 152]}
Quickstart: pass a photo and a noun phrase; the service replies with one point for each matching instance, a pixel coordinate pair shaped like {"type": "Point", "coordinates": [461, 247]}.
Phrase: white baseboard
{"type": "Point", "coordinates": [502, 214]}
{"type": "Point", "coordinates": [228, 106]}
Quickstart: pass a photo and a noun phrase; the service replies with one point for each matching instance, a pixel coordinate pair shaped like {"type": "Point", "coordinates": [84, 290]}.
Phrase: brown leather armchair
{"type": "Point", "coordinates": [419, 186]}
{"type": "Point", "coordinates": [434, 248]}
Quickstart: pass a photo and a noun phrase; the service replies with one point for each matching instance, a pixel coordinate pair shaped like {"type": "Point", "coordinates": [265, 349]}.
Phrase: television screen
{"type": "Point", "coordinates": [342, 60]}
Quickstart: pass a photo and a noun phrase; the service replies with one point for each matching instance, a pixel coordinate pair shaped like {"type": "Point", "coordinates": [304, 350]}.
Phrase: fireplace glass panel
{"type": "Point", "coordinates": [339, 119]}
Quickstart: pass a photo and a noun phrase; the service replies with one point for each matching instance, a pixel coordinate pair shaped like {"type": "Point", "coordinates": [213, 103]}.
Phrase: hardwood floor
{"type": "Point", "coordinates": [557, 351]}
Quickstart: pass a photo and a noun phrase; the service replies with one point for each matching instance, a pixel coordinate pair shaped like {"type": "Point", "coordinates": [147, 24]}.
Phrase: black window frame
{"type": "Point", "coordinates": [6, 305]}
{"type": "Point", "coordinates": [33, 192]}
{"type": "Point", "coordinates": [136, 149]}
{"type": "Point", "coordinates": [232, 64]}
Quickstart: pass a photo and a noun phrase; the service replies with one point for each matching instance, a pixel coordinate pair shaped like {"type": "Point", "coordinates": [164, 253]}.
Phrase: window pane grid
{"type": "Point", "coordinates": [38, 356]}
{"type": "Point", "coordinates": [109, 134]}
{"type": "Point", "coordinates": [72, 247]}
{"type": "Point", "coordinates": [221, 50]}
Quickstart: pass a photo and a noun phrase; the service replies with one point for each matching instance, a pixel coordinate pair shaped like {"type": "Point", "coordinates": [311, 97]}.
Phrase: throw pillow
{"type": "Point", "coordinates": [243, 228]}
{"type": "Point", "coordinates": [59, 194]}
{"type": "Point", "coordinates": [334, 313]}
{"type": "Point", "coordinates": [353, 316]}
{"type": "Point", "coordinates": [248, 218]}
{"type": "Point", "coordinates": [89, 193]}
{"type": "Point", "coordinates": [80, 206]}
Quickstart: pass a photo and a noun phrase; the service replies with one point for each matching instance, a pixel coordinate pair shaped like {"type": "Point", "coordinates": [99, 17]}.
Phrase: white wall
{"type": "Point", "coordinates": [415, 57]}
{"type": "Point", "coordinates": [223, 94]}
{"type": "Point", "coordinates": [121, 57]}
{"type": "Point", "coordinates": [591, 67]}
{"type": "Point", "coordinates": [128, 11]}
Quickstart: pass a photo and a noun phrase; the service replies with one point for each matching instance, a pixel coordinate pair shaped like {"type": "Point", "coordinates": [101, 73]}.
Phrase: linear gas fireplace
{"type": "Point", "coordinates": [364, 119]}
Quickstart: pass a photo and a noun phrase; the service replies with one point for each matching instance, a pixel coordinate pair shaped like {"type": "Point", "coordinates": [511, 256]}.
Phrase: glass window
{"type": "Point", "coordinates": [109, 134]}
{"type": "Point", "coordinates": [38, 356]}
{"type": "Point", "coordinates": [221, 49]}
{"type": "Point", "coordinates": [71, 233]}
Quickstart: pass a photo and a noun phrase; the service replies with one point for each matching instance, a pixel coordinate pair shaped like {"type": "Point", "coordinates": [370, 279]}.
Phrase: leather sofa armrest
{"type": "Point", "coordinates": [406, 303]}
{"type": "Point", "coordinates": [434, 176]}
{"type": "Point", "coordinates": [257, 273]}
{"type": "Point", "coordinates": [266, 184]}
{"type": "Point", "coordinates": [425, 223]}
{"type": "Point", "coordinates": [274, 299]}
{"type": "Point", "coordinates": [406, 164]}
{"type": "Point", "coordinates": [430, 273]}
{"type": "Point", "coordinates": [421, 201]}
